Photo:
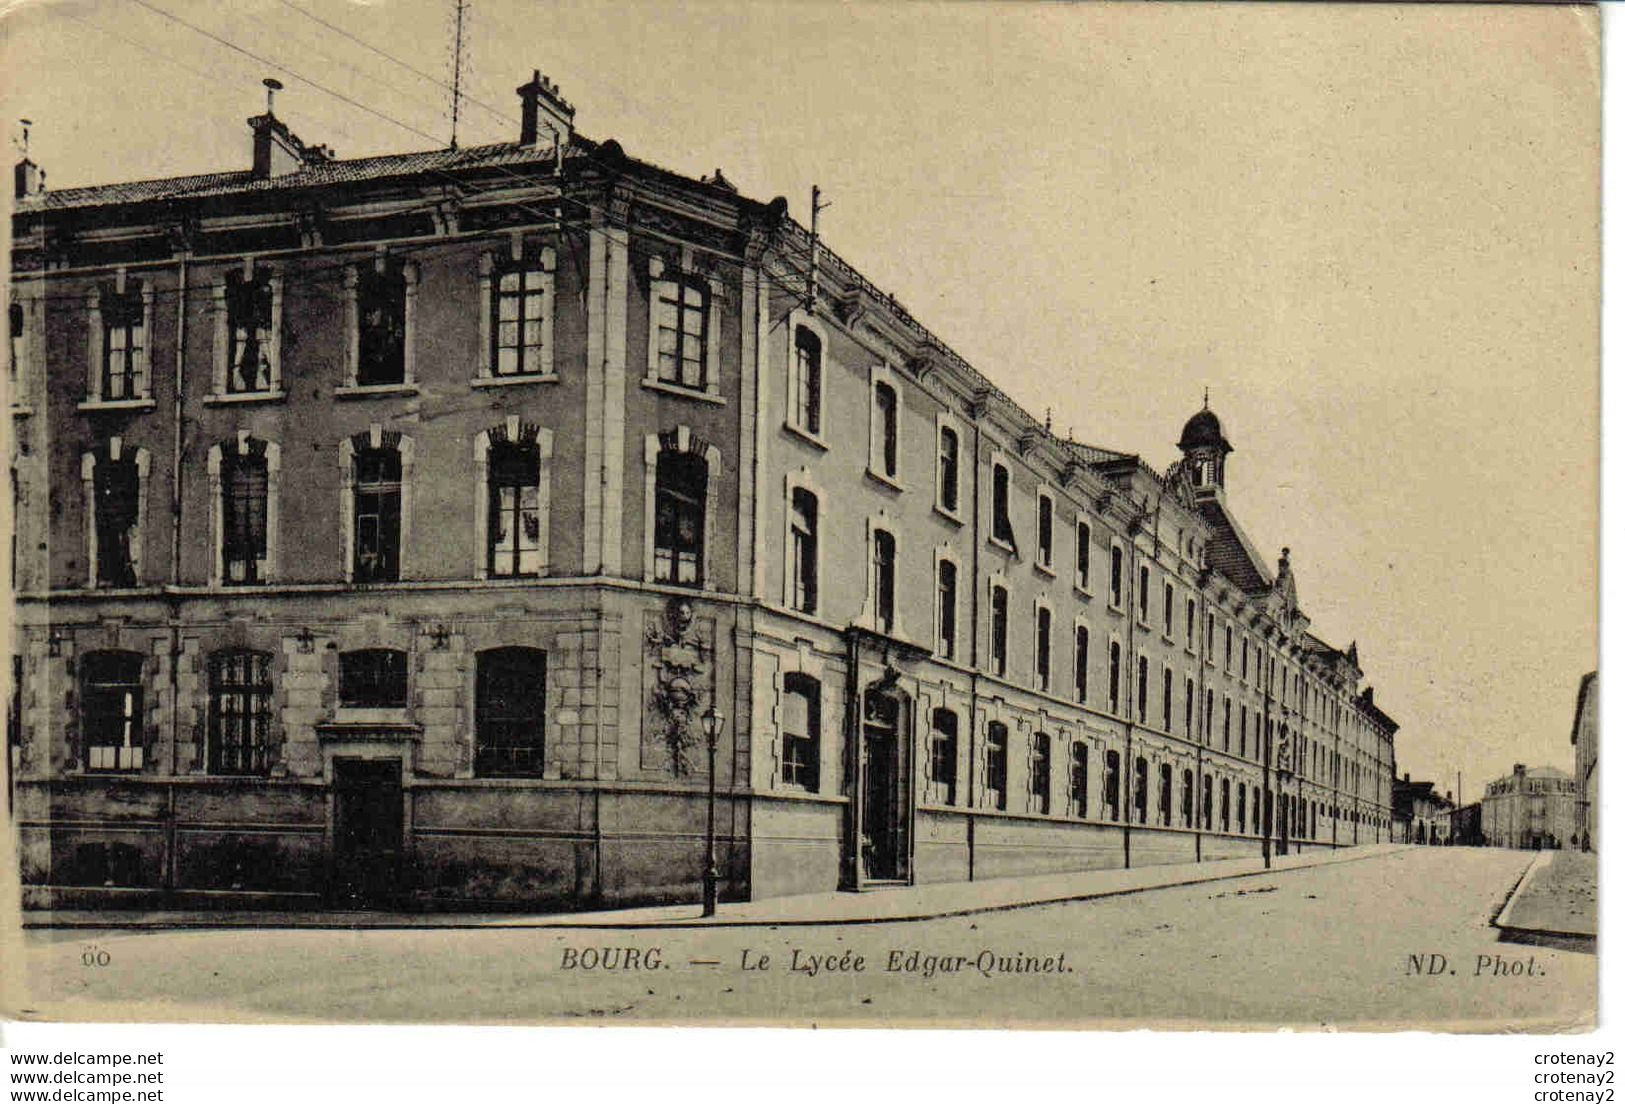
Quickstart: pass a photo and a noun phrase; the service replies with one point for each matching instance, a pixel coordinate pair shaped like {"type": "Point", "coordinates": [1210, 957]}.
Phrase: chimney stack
{"type": "Point", "coordinates": [278, 151]}
{"type": "Point", "coordinates": [29, 179]}
{"type": "Point", "coordinates": [542, 108]}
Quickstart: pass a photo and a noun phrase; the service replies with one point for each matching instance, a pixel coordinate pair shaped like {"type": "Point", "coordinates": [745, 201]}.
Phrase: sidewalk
{"type": "Point", "coordinates": [1555, 903]}
{"type": "Point", "coordinates": [925, 902]}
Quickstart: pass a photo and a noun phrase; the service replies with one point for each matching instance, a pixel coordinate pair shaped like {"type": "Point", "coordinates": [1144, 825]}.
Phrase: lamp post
{"type": "Point", "coordinates": [711, 724]}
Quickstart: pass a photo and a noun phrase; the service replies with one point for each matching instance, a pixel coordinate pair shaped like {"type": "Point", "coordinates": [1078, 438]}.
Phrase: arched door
{"type": "Point", "coordinates": [884, 778]}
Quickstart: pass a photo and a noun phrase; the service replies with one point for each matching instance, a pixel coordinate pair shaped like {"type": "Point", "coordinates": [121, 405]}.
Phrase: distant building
{"type": "Point", "coordinates": [1529, 809]}
{"type": "Point", "coordinates": [1584, 738]}
{"type": "Point", "coordinates": [1467, 826]}
{"type": "Point", "coordinates": [1421, 814]}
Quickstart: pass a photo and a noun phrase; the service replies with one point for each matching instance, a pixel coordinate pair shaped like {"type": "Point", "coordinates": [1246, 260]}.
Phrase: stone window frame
{"type": "Point", "coordinates": [996, 460]}
{"type": "Point", "coordinates": [947, 423]}
{"type": "Point", "coordinates": [1080, 662]}
{"type": "Point", "coordinates": [684, 440]}
{"type": "Point", "coordinates": [1041, 495]}
{"type": "Point", "coordinates": [937, 791]}
{"type": "Point", "coordinates": [87, 473]}
{"type": "Point", "coordinates": [1040, 802]}
{"type": "Point", "coordinates": [96, 337]}
{"type": "Point", "coordinates": [374, 436]}
{"type": "Point", "coordinates": [802, 480]}
{"type": "Point", "coordinates": [882, 375]}
{"type": "Point", "coordinates": [1083, 532]}
{"type": "Point", "coordinates": [514, 429]}
{"type": "Point", "coordinates": [352, 331]}
{"type": "Point", "coordinates": [815, 737]}
{"type": "Point", "coordinates": [485, 373]}
{"type": "Point", "coordinates": [219, 392]}
{"type": "Point", "coordinates": [869, 616]}
{"type": "Point", "coordinates": [217, 512]}
{"type": "Point", "coordinates": [996, 581]}
{"type": "Point", "coordinates": [1043, 674]}
{"type": "Point", "coordinates": [807, 664]}
{"type": "Point", "coordinates": [801, 320]}
{"type": "Point", "coordinates": [687, 271]}
{"type": "Point", "coordinates": [945, 553]}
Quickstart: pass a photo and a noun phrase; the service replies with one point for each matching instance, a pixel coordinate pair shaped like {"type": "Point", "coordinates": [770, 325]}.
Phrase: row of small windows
{"type": "Point", "coordinates": [519, 294]}
{"type": "Point", "coordinates": [510, 706]}
{"type": "Point", "coordinates": [512, 508]}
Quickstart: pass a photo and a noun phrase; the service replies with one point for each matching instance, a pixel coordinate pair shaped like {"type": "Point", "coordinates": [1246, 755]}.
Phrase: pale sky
{"type": "Point", "coordinates": [1370, 230]}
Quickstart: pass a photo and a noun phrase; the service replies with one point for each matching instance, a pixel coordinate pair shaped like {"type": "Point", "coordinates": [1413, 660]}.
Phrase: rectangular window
{"type": "Point", "coordinates": [808, 409]}
{"type": "Point", "coordinates": [1078, 791]}
{"type": "Point", "coordinates": [1168, 610]}
{"type": "Point", "coordinates": [117, 487]}
{"type": "Point", "coordinates": [1140, 786]}
{"type": "Point", "coordinates": [1041, 650]}
{"type": "Point", "coordinates": [1145, 595]}
{"type": "Point", "coordinates": [239, 712]}
{"type": "Point", "coordinates": [1185, 799]}
{"type": "Point", "coordinates": [682, 313]}
{"type": "Point", "coordinates": [1114, 786]}
{"type": "Point", "coordinates": [1046, 530]}
{"type": "Point", "coordinates": [999, 629]}
{"type": "Point", "coordinates": [1224, 805]}
{"type": "Point", "coordinates": [248, 333]}
{"type": "Point", "coordinates": [804, 550]}
{"type": "Point", "coordinates": [885, 594]}
{"type": "Point", "coordinates": [1080, 663]}
{"type": "Point", "coordinates": [372, 678]}
{"type": "Point", "coordinates": [1207, 802]}
{"type": "Point", "coordinates": [944, 769]}
{"type": "Point", "coordinates": [1190, 707]}
{"type": "Point", "coordinates": [514, 542]}
{"type": "Point", "coordinates": [1165, 793]}
{"type": "Point", "coordinates": [1167, 698]}
{"type": "Point", "coordinates": [244, 490]}
{"type": "Point", "coordinates": [1142, 678]}
{"type": "Point", "coordinates": [510, 710]}
{"type": "Point", "coordinates": [1190, 624]}
{"type": "Point", "coordinates": [1210, 638]}
{"type": "Point", "coordinates": [377, 516]}
{"type": "Point", "coordinates": [948, 470]}
{"type": "Point", "coordinates": [1003, 531]}
{"type": "Point", "coordinates": [1117, 577]}
{"type": "Point", "coordinates": [1083, 556]}
{"type": "Point", "coordinates": [1229, 642]}
{"type": "Point", "coordinates": [113, 724]}
{"type": "Point", "coordinates": [680, 490]}
{"type": "Point", "coordinates": [947, 608]}
{"type": "Point", "coordinates": [124, 344]}
{"type": "Point", "coordinates": [799, 757]}
{"type": "Point", "coordinates": [1227, 722]}
{"type": "Point", "coordinates": [381, 318]}
{"type": "Point", "coordinates": [1207, 718]}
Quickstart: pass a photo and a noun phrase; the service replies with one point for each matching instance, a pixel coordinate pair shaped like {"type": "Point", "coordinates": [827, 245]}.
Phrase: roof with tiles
{"type": "Point", "coordinates": [318, 175]}
{"type": "Point", "coordinates": [1228, 552]}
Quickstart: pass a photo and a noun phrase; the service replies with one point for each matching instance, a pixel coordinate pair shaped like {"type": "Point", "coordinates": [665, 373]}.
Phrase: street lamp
{"type": "Point", "coordinates": [711, 723]}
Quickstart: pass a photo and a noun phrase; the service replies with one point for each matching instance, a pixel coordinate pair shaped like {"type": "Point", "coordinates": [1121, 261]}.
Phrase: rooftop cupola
{"type": "Point", "coordinates": [1205, 447]}
{"type": "Point", "coordinates": [278, 151]}
{"type": "Point", "coordinates": [545, 116]}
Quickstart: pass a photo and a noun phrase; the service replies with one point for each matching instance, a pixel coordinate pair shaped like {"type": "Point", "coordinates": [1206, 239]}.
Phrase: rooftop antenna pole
{"type": "Point", "coordinates": [812, 265]}
{"type": "Point", "coordinates": [457, 71]}
{"type": "Point", "coordinates": [23, 146]}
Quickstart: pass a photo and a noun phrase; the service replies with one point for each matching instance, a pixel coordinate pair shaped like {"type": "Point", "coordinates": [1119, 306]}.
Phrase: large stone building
{"type": "Point", "coordinates": [1529, 809]}
{"type": "Point", "coordinates": [393, 529]}
{"type": "Point", "coordinates": [1583, 735]}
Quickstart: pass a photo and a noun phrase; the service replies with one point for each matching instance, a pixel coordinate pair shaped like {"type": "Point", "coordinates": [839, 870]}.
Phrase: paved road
{"type": "Point", "coordinates": [1324, 946]}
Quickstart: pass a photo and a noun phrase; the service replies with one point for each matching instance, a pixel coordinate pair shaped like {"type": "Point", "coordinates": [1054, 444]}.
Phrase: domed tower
{"type": "Point", "coordinates": [1204, 445]}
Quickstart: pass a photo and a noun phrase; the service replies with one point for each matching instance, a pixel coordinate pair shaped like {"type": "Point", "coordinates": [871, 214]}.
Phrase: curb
{"type": "Point", "coordinates": [1541, 860]}
{"type": "Point", "coordinates": [1556, 938]}
{"type": "Point", "coordinates": [611, 925]}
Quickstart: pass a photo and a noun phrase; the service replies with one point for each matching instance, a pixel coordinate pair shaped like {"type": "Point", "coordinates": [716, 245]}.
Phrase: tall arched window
{"type": "Point", "coordinates": [1165, 793]}
{"type": "Point", "coordinates": [510, 712]}
{"type": "Point", "coordinates": [1141, 785]}
{"type": "Point", "coordinates": [1038, 773]}
{"type": "Point", "coordinates": [110, 711]}
{"type": "Point", "coordinates": [1078, 790]}
{"type": "Point", "coordinates": [804, 550]}
{"type": "Point", "coordinates": [239, 712]}
{"type": "Point", "coordinates": [1114, 785]}
{"type": "Point", "coordinates": [948, 469]}
{"type": "Point", "coordinates": [679, 544]}
{"type": "Point", "coordinates": [996, 770]}
{"type": "Point", "coordinates": [944, 766]}
{"type": "Point", "coordinates": [1186, 797]}
{"type": "Point", "coordinates": [1003, 530]}
{"type": "Point", "coordinates": [884, 444]}
{"type": "Point", "coordinates": [808, 394]}
{"type": "Point", "coordinates": [947, 608]}
{"type": "Point", "coordinates": [885, 581]}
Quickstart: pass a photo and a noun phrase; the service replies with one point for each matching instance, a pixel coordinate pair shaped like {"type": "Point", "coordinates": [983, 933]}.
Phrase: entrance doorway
{"type": "Point", "coordinates": [369, 811]}
{"type": "Point", "coordinates": [883, 831]}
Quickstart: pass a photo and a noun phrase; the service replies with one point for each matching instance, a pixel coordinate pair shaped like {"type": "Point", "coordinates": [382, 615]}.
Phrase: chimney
{"type": "Point", "coordinates": [541, 108]}
{"type": "Point", "coordinates": [29, 179]}
{"type": "Point", "coordinates": [278, 151]}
